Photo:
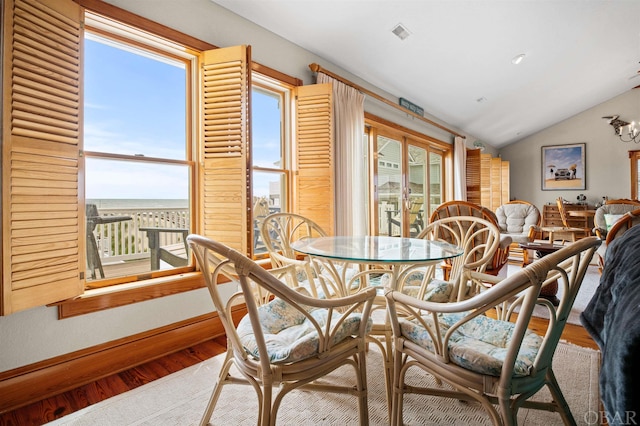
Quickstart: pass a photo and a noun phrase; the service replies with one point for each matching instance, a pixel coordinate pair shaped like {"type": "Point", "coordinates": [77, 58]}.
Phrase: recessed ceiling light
{"type": "Point", "coordinates": [401, 31]}
{"type": "Point", "coordinates": [517, 59]}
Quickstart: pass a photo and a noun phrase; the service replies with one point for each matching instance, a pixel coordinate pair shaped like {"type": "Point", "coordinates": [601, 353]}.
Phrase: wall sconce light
{"type": "Point", "coordinates": [627, 132]}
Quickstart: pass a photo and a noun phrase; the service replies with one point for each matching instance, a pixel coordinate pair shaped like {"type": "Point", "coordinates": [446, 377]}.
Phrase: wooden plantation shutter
{"type": "Point", "coordinates": [314, 177]}
{"type": "Point", "coordinates": [485, 180]}
{"type": "Point", "coordinates": [504, 181]}
{"type": "Point", "coordinates": [496, 183]}
{"type": "Point", "coordinates": [225, 156]}
{"type": "Point", "coordinates": [41, 228]}
{"type": "Point", "coordinates": [473, 176]}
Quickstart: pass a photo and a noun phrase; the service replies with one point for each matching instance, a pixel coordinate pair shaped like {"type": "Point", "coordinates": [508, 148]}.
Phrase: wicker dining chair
{"type": "Point", "coordinates": [287, 340]}
{"type": "Point", "coordinates": [477, 349]}
{"type": "Point", "coordinates": [479, 239]}
{"type": "Point", "coordinates": [324, 278]}
{"type": "Point", "coordinates": [466, 208]}
{"type": "Point", "coordinates": [278, 231]}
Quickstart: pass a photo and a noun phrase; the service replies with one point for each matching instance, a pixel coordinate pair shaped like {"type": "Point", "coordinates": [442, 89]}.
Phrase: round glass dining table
{"type": "Point", "coordinates": [397, 252]}
{"type": "Point", "coordinates": [378, 250]}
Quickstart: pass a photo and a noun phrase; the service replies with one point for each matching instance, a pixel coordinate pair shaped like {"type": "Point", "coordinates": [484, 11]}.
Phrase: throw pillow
{"type": "Point", "coordinates": [610, 219]}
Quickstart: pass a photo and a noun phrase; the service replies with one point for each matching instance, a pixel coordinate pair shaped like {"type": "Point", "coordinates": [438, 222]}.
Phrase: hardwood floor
{"type": "Point", "coordinates": [56, 407]}
{"type": "Point", "coordinates": [66, 403]}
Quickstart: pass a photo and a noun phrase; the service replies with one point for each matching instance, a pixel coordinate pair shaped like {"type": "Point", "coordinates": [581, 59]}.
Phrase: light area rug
{"type": "Point", "coordinates": [587, 290]}
{"type": "Point", "coordinates": [180, 399]}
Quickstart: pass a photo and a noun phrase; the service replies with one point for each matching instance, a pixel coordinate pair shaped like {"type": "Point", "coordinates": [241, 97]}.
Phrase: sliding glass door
{"type": "Point", "coordinates": [436, 180]}
{"type": "Point", "coordinates": [417, 189]}
{"type": "Point", "coordinates": [410, 177]}
{"type": "Point", "coordinates": [391, 188]}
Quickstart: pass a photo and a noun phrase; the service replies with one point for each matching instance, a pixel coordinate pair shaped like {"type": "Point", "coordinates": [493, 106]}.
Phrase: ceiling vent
{"type": "Point", "coordinates": [401, 31]}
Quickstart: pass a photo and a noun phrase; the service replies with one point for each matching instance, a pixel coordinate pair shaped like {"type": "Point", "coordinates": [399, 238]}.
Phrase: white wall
{"type": "Point", "coordinates": [607, 158]}
{"type": "Point", "coordinates": [36, 334]}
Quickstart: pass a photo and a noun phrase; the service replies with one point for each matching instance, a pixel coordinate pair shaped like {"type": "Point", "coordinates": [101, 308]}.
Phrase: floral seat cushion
{"type": "Point", "coordinates": [479, 345]}
{"type": "Point", "coordinates": [437, 290]}
{"type": "Point", "coordinates": [288, 333]}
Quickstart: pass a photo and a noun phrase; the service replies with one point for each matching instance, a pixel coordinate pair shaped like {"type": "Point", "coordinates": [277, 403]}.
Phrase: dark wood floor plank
{"type": "Point", "coordinates": [173, 364]}
{"type": "Point", "coordinates": [105, 388]}
{"type": "Point", "coordinates": [137, 376]}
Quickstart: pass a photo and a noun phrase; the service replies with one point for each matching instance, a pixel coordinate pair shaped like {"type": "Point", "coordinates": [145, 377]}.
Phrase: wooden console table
{"type": "Point", "coordinates": [578, 216]}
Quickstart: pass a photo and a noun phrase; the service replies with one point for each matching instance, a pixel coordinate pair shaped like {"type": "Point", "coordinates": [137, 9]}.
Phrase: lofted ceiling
{"type": "Point", "coordinates": [456, 62]}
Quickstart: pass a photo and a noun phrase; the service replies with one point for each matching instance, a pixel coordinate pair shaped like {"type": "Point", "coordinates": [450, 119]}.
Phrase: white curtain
{"type": "Point", "coordinates": [460, 168]}
{"type": "Point", "coordinates": [350, 163]}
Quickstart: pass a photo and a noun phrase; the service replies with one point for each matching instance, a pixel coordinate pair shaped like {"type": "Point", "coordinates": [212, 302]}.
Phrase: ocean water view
{"type": "Point", "coordinates": [138, 203]}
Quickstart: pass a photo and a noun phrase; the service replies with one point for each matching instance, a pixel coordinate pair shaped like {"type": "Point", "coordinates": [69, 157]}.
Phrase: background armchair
{"type": "Point", "coordinates": [606, 217]}
{"type": "Point", "coordinates": [518, 220]}
{"type": "Point", "coordinates": [609, 213]}
{"type": "Point", "coordinates": [619, 228]}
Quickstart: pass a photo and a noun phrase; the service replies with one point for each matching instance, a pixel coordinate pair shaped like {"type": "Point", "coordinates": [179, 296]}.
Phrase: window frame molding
{"type": "Point", "coordinates": [375, 126]}
{"type": "Point", "coordinates": [148, 287]}
{"type": "Point", "coordinates": [283, 90]}
{"type": "Point", "coordinates": [634, 158]}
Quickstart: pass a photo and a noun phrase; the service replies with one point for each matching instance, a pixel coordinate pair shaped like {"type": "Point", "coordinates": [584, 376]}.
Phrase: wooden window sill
{"type": "Point", "coordinates": [113, 296]}
{"type": "Point", "coordinates": [124, 294]}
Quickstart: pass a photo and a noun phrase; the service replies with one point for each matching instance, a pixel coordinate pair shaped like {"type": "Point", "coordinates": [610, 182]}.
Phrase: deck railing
{"type": "Point", "coordinates": [124, 240]}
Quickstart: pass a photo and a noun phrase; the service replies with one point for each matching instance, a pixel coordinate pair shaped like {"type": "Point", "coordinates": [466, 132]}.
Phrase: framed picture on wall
{"type": "Point", "coordinates": [564, 167]}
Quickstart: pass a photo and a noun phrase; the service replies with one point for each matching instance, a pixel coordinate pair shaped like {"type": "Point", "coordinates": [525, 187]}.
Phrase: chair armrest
{"type": "Point", "coordinates": [481, 302]}
{"type": "Point", "coordinates": [600, 232]}
{"type": "Point", "coordinates": [505, 241]}
{"type": "Point", "coordinates": [483, 278]}
{"type": "Point", "coordinates": [153, 234]}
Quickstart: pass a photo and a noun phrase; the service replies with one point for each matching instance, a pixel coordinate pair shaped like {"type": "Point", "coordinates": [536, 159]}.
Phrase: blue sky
{"type": "Point", "coordinates": [135, 105]}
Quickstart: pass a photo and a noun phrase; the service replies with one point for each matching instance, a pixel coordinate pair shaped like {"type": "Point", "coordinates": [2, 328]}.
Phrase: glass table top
{"type": "Point", "coordinates": [377, 249]}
